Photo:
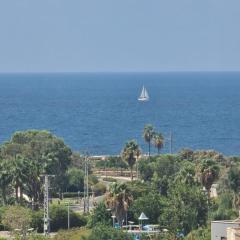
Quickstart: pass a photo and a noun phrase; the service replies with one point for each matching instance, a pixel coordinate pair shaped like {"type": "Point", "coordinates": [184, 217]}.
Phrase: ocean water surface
{"type": "Point", "coordinates": [99, 112]}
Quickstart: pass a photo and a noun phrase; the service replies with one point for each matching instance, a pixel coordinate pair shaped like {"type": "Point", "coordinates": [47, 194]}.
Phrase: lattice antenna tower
{"type": "Point", "coordinates": [46, 219]}
{"type": "Point", "coordinates": [86, 185]}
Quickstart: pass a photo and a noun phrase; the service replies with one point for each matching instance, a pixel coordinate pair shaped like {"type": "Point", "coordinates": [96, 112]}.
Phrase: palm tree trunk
{"type": "Point", "coordinates": [35, 196]}
{"type": "Point", "coordinates": [4, 198]}
{"type": "Point", "coordinates": [60, 194]}
{"type": "Point", "coordinates": [21, 195]}
{"type": "Point", "coordinates": [234, 200]}
{"type": "Point", "coordinates": [131, 174]}
{"type": "Point", "coordinates": [16, 194]}
{"type": "Point", "coordinates": [208, 196]}
{"type": "Point", "coordinates": [149, 148]}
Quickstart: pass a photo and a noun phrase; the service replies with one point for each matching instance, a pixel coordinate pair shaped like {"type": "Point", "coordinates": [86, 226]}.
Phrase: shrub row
{"type": "Point", "coordinates": [109, 179]}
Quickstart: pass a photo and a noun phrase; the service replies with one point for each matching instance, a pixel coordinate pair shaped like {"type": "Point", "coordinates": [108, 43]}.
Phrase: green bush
{"type": "Point", "coordinates": [2, 209]}
{"type": "Point", "coordinates": [37, 221]}
{"type": "Point", "coordinates": [199, 234]}
{"type": "Point", "coordinates": [92, 180]}
{"type": "Point", "coordinates": [59, 219]}
{"type": "Point", "coordinates": [68, 195]}
{"type": "Point", "coordinates": [75, 179]}
{"type": "Point", "coordinates": [17, 217]}
{"type": "Point", "coordinates": [37, 237]}
{"type": "Point", "coordinates": [112, 162]}
{"type": "Point", "coordinates": [103, 232]}
{"type": "Point", "coordinates": [138, 189]}
{"type": "Point", "coordinates": [152, 210]}
{"type": "Point", "coordinates": [109, 179]}
{"type": "Point", "coordinates": [100, 214]}
{"type": "Point", "coordinates": [223, 214]}
{"type": "Point", "coordinates": [99, 189]}
{"type": "Point", "coordinates": [73, 234]}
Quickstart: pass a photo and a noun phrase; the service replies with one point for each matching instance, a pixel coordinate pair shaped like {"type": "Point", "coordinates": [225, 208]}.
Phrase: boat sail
{"type": "Point", "coordinates": [144, 95]}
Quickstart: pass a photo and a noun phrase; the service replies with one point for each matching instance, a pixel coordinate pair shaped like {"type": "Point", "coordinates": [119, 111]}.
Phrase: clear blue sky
{"type": "Point", "coordinates": [119, 35]}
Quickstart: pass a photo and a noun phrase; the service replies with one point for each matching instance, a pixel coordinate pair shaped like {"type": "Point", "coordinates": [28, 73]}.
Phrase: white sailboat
{"type": "Point", "coordinates": [144, 95]}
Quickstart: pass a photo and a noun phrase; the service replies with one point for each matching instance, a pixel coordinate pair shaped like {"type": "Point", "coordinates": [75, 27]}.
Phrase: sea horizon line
{"type": "Point", "coordinates": [118, 72]}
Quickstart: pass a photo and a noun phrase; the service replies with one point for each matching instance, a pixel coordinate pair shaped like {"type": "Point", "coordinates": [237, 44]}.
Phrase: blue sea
{"type": "Point", "coordinates": [99, 112]}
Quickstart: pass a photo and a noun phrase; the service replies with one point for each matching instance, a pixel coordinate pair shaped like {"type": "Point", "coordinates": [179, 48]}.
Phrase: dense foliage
{"type": "Point", "coordinates": [100, 215]}
{"type": "Point", "coordinates": [15, 217]}
{"type": "Point", "coordinates": [103, 232]}
{"type": "Point", "coordinates": [173, 190]}
{"type": "Point", "coordinates": [130, 154]}
{"type": "Point", "coordinates": [114, 162]}
{"type": "Point", "coordinates": [26, 157]}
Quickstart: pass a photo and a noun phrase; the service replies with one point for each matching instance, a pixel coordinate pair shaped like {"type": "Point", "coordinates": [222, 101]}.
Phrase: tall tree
{"type": "Point", "coordinates": [19, 171]}
{"type": "Point", "coordinates": [158, 141]}
{"type": "Point", "coordinates": [16, 217]}
{"type": "Point", "coordinates": [209, 173]}
{"type": "Point", "coordinates": [5, 179]}
{"type": "Point", "coordinates": [234, 183]}
{"type": "Point", "coordinates": [100, 215]}
{"type": "Point", "coordinates": [130, 153]}
{"type": "Point", "coordinates": [186, 173]}
{"type": "Point", "coordinates": [152, 210]}
{"type": "Point", "coordinates": [35, 153]}
{"type": "Point", "coordinates": [118, 200]}
{"type": "Point", "coordinates": [186, 208]}
{"type": "Point", "coordinates": [148, 133]}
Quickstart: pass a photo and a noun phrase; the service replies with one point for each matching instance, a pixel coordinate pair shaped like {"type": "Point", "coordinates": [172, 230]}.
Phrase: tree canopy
{"type": "Point", "coordinates": [28, 155]}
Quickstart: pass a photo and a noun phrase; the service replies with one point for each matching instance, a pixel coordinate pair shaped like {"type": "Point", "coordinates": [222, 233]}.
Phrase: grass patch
{"type": "Point", "coordinates": [56, 201]}
{"type": "Point", "coordinates": [73, 234]}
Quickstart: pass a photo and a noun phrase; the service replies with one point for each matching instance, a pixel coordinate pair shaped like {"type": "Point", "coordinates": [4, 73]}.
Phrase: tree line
{"type": "Point", "coordinates": [173, 190]}
{"type": "Point", "coordinates": [132, 151]}
{"type": "Point", "coordinates": [27, 156]}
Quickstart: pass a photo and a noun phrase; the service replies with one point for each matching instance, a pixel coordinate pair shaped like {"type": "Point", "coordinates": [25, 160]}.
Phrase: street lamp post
{"type": "Point", "coordinates": [113, 217]}
{"type": "Point", "coordinates": [68, 216]}
{"type": "Point", "coordinates": [68, 209]}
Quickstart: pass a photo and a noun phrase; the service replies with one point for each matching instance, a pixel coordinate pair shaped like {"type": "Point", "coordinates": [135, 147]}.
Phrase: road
{"type": "Point", "coordinates": [79, 207]}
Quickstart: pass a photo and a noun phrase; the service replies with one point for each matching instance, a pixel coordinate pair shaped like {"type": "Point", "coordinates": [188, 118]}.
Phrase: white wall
{"type": "Point", "coordinates": [219, 229]}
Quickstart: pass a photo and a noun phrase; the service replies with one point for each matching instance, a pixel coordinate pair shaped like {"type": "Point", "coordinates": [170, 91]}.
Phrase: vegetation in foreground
{"type": "Point", "coordinates": [174, 190]}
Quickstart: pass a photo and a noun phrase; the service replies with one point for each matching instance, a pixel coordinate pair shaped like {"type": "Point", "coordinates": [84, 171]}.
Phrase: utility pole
{"type": "Point", "coordinates": [46, 219]}
{"type": "Point", "coordinates": [68, 216]}
{"type": "Point", "coordinates": [86, 191]}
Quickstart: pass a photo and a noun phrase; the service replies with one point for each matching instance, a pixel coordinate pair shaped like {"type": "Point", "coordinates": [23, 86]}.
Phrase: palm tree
{"type": "Point", "coordinates": [148, 133]}
{"type": "Point", "coordinates": [130, 153]}
{"type": "Point", "coordinates": [19, 175]}
{"type": "Point", "coordinates": [5, 179]}
{"type": "Point", "coordinates": [118, 200]}
{"type": "Point", "coordinates": [234, 184]}
{"type": "Point", "coordinates": [158, 141]}
{"type": "Point", "coordinates": [209, 173]}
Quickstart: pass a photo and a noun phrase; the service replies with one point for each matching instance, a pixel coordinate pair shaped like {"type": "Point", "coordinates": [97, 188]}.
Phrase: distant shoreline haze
{"type": "Point", "coordinates": [124, 72]}
{"type": "Point", "coordinates": [100, 111]}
